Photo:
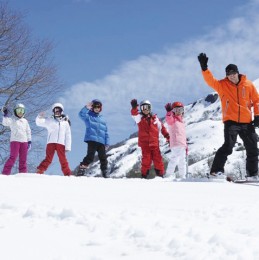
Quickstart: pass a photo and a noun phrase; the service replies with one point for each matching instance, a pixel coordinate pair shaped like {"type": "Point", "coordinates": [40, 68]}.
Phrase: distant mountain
{"type": "Point", "coordinates": [204, 133]}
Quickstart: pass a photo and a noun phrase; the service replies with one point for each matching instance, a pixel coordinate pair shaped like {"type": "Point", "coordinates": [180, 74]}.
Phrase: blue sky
{"type": "Point", "coordinates": [116, 50]}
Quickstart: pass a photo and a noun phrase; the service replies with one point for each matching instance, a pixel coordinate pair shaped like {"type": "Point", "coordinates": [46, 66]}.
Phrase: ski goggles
{"type": "Point", "coordinates": [20, 110]}
{"type": "Point", "coordinates": [57, 110]}
{"type": "Point", "coordinates": [145, 107]}
{"type": "Point", "coordinates": [97, 106]}
{"type": "Point", "coordinates": [178, 110]}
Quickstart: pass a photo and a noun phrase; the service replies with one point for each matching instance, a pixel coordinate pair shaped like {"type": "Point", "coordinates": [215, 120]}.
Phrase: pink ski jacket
{"type": "Point", "coordinates": [176, 130]}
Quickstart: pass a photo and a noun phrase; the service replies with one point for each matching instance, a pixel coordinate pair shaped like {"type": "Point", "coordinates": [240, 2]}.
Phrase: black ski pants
{"type": "Point", "coordinates": [247, 134]}
{"type": "Point", "coordinates": [92, 148]}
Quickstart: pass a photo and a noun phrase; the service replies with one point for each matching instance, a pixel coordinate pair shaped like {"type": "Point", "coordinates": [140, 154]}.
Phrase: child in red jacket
{"type": "Point", "coordinates": [149, 127]}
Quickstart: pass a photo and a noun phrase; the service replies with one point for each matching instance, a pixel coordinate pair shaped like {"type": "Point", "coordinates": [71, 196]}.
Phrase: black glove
{"type": "Point", "coordinates": [5, 111]}
{"type": "Point", "coordinates": [168, 107]}
{"type": "Point", "coordinates": [29, 145]}
{"type": "Point", "coordinates": [256, 121]}
{"type": "Point", "coordinates": [134, 103]}
{"type": "Point", "coordinates": [203, 59]}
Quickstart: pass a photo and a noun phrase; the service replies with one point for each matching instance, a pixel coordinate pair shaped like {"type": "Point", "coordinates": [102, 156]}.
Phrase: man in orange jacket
{"type": "Point", "coordinates": [238, 95]}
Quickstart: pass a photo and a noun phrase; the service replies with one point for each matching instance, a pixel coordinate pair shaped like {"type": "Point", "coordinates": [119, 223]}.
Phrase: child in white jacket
{"type": "Point", "coordinates": [59, 138]}
{"type": "Point", "coordinates": [178, 143]}
{"type": "Point", "coordinates": [20, 140]}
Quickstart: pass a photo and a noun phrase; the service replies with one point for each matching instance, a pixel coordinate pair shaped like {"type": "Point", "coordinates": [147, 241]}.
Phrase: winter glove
{"type": "Point", "coordinates": [203, 59]}
{"type": "Point", "coordinates": [5, 111]}
{"type": "Point", "coordinates": [134, 103]}
{"type": "Point", "coordinates": [256, 121]}
{"type": "Point", "coordinates": [29, 145]}
{"type": "Point", "coordinates": [168, 107]}
{"type": "Point", "coordinates": [89, 105]}
{"type": "Point", "coordinates": [42, 114]}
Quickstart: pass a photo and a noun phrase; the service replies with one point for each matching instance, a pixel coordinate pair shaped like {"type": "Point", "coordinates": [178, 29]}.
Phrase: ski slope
{"type": "Point", "coordinates": [78, 218]}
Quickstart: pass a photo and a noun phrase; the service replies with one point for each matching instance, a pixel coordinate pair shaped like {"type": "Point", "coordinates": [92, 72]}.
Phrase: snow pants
{"type": "Point", "coordinates": [247, 134]}
{"type": "Point", "coordinates": [92, 148]}
{"type": "Point", "coordinates": [177, 157]}
{"type": "Point", "coordinates": [149, 155]}
{"type": "Point", "coordinates": [50, 151]}
{"type": "Point", "coordinates": [17, 148]}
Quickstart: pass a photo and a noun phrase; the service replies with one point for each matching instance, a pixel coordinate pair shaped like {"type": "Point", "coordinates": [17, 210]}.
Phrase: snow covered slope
{"type": "Point", "coordinates": [71, 218]}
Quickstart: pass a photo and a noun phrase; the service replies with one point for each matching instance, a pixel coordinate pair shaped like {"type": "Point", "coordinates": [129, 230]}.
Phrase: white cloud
{"type": "Point", "coordinates": [172, 75]}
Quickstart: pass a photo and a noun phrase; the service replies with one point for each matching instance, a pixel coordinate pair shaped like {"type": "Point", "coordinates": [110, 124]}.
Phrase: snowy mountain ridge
{"type": "Point", "coordinates": [204, 130]}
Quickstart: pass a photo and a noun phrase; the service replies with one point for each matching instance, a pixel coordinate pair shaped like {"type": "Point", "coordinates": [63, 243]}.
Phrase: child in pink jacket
{"type": "Point", "coordinates": [178, 144]}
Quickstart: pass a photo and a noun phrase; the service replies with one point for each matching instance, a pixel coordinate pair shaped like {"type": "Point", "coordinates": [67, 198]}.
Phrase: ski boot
{"type": "Point", "coordinates": [144, 176]}
{"type": "Point", "coordinates": [105, 174]}
{"type": "Point", "coordinates": [159, 173]}
{"type": "Point", "coordinates": [81, 171]}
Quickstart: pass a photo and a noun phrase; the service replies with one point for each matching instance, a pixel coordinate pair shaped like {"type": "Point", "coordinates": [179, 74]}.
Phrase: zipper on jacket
{"type": "Point", "coordinates": [226, 108]}
{"type": "Point", "coordinates": [238, 115]}
{"type": "Point", "coordinates": [58, 131]}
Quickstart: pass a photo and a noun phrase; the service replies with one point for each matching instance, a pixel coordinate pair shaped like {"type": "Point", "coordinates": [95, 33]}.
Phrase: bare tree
{"type": "Point", "coordinates": [27, 72]}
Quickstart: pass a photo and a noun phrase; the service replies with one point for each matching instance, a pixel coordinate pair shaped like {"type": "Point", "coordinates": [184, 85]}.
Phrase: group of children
{"type": "Point", "coordinates": [59, 138]}
{"type": "Point", "coordinates": [97, 138]}
{"type": "Point", "coordinates": [149, 127]}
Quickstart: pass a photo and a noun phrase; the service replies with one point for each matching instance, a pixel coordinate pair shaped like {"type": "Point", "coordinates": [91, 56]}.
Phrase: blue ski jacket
{"type": "Point", "coordinates": [96, 128]}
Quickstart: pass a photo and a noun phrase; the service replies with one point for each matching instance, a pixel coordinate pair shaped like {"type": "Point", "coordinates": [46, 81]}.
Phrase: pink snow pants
{"type": "Point", "coordinates": [17, 148]}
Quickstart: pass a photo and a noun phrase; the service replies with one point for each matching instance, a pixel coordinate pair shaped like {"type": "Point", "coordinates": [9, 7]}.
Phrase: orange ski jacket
{"type": "Point", "coordinates": [236, 100]}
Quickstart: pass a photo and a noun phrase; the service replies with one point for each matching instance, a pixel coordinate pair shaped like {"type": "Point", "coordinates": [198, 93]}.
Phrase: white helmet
{"type": "Point", "coordinates": [19, 106]}
{"type": "Point", "coordinates": [145, 103]}
{"type": "Point", "coordinates": [57, 105]}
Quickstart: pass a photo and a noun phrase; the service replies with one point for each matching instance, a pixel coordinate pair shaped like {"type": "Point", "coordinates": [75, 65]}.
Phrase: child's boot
{"type": "Point", "coordinates": [159, 173]}
{"type": "Point", "coordinates": [105, 173]}
{"type": "Point", "coordinates": [144, 175]}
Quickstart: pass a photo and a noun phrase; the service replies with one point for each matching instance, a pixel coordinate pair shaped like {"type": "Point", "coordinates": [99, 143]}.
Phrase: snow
{"type": "Point", "coordinates": [47, 217]}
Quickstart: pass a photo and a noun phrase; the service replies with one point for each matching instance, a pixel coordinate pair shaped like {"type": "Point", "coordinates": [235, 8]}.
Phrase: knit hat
{"type": "Point", "coordinates": [231, 69]}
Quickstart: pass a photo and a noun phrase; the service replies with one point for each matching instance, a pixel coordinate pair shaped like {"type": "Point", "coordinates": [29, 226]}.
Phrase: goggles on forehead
{"type": "Point", "coordinates": [178, 110]}
{"type": "Point", "coordinates": [19, 110]}
{"type": "Point", "coordinates": [145, 107]}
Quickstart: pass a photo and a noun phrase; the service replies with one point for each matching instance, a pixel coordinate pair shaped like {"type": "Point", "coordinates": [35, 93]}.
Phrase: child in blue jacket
{"type": "Point", "coordinates": [96, 135]}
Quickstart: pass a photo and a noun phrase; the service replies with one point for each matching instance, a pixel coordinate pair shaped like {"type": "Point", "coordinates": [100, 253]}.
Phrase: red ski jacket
{"type": "Point", "coordinates": [149, 128]}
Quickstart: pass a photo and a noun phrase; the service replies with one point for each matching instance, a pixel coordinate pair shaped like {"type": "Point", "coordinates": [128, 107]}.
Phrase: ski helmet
{"type": "Point", "coordinates": [145, 104]}
{"type": "Point", "coordinates": [57, 110]}
{"type": "Point", "coordinates": [19, 108]}
{"type": "Point", "coordinates": [97, 103]}
{"type": "Point", "coordinates": [178, 107]}
{"type": "Point", "coordinates": [57, 105]}
{"type": "Point", "coordinates": [177, 104]}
